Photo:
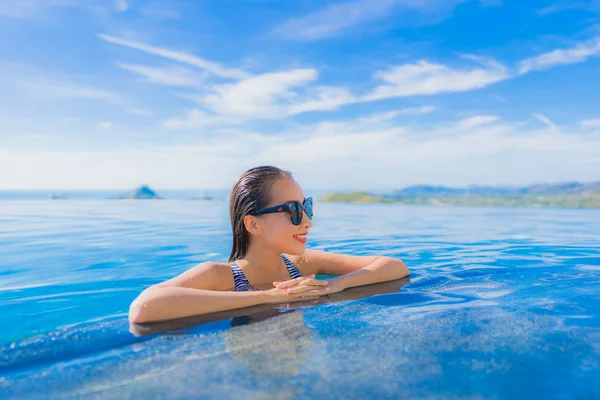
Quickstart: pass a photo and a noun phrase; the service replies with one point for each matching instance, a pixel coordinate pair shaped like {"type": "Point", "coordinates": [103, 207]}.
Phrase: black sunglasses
{"type": "Point", "coordinates": [294, 208]}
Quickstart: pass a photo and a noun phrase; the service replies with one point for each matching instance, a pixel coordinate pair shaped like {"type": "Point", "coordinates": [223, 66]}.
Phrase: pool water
{"type": "Point", "coordinates": [502, 303]}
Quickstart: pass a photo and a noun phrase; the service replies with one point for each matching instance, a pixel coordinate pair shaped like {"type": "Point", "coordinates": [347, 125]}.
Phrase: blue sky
{"type": "Point", "coordinates": [363, 94]}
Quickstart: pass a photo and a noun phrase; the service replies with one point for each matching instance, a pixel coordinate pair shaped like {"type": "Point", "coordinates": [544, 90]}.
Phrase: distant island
{"type": "Point", "coordinates": [141, 193]}
{"type": "Point", "coordinates": [567, 195]}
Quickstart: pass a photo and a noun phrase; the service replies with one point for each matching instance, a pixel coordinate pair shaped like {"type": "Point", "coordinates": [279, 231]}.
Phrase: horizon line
{"type": "Point", "coordinates": [157, 188]}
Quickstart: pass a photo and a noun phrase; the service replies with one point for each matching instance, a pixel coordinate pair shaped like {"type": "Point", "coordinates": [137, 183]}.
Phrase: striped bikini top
{"type": "Point", "coordinates": [242, 284]}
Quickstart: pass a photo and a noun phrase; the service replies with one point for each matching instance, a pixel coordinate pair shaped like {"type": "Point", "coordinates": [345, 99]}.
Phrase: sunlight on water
{"type": "Point", "coordinates": [502, 303]}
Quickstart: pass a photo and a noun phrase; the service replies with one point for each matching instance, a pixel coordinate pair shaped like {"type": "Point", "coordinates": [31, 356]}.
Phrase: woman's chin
{"type": "Point", "coordinates": [296, 250]}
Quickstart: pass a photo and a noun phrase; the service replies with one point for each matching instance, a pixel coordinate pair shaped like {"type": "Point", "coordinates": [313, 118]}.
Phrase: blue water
{"type": "Point", "coordinates": [502, 303]}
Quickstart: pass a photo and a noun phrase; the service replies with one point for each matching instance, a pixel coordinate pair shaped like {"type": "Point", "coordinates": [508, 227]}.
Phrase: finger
{"type": "Point", "coordinates": [308, 289]}
{"type": "Point", "coordinates": [305, 280]}
{"type": "Point", "coordinates": [299, 289]}
{"type": "Point", "coordinates": [314, 282]}
{"type": "Point", "coordinates": [292, 282]}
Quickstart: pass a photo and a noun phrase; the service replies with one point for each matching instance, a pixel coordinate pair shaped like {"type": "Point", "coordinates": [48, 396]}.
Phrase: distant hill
{"type": "Point", "coordinates": [141, 193]}
{"type": "Point", "coordinates": [570, 194]}
{"type": "Point", "coordinates": [538, 189]}
{"type": "Point", "coordinates": [355, 197]}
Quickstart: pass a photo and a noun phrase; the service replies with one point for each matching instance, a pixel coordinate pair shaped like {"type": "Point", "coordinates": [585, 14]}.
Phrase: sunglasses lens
{"type": "Point", "coordinates": [308, 207]}
{"type": "Point", "coordinates": [295, 213]}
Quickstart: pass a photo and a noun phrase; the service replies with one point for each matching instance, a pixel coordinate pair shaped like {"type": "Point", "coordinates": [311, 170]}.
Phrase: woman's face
{"type": "Point", "coordinates": [277, 228]}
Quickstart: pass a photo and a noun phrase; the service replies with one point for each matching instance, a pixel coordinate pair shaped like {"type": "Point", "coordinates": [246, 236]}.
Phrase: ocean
{"type": "Point", "coordinates": [502, 303]}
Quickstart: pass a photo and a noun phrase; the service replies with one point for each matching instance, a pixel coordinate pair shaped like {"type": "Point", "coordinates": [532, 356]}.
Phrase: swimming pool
{"type": "Point", "coordinates": [502, 303]}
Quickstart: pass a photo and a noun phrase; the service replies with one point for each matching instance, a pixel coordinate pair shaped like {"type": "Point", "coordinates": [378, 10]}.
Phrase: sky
{"type": "Point", "coordinates": [360, 94]}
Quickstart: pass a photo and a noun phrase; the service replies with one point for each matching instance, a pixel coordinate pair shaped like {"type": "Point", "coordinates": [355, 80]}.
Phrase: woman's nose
{"type": "Point", "coordinates": [307, 221]}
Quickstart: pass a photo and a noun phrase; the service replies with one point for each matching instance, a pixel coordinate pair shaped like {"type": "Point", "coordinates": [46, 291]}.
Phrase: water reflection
{"type": "Point", "coordinates": [270, 344]}
{"type": "Point", "coordinates": [271, 341]}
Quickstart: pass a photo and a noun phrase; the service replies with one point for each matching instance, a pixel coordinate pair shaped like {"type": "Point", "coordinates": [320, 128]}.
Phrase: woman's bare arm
{"type": "Point", "coordinates": [351, 270]}
{"type": "Point", "coordinates": [204, 289]}
{"type": "Point", "coordinates": [159, 303]}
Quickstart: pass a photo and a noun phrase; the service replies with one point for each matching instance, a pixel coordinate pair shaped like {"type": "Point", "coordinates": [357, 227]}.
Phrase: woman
{"type": "Point", "coordinates": [269, 262]}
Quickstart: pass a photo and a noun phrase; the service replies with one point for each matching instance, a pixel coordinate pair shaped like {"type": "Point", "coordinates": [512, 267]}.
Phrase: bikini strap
{"type": "Point", "coordinates": [241, 282]}
{"type": "Point", "coordinates": [292, 269]}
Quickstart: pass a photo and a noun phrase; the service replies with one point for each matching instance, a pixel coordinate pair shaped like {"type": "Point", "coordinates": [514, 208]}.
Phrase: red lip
{"type": "Point", "coordinates": [301, 240]}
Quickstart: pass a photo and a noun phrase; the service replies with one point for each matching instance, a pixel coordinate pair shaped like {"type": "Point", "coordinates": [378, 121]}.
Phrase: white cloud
{"type": "Point", "coordinates": [106, 125]}
{"type": "Point", "coordinates": [179, 56]}
{"type": "Point", "coordinates": [258, 96]}
{"type": "Point", "coordinates": [272, 96]}
{"type": "Point", "coordinates": [196, 119]}
{"type": "Point", "coordinates": [339, 17]}
{"type": "Point", "coordinates": [417, 110]}
{"type": "Point", "coordinates": [266, 96]}
{"type": "Point", "coordinates": [45, 85]}
{"type": "Point", "coordinates": [139, 112]}
{"type": "Point", "coordinates": [590, 123]}
{"type": "Point", "coordinates": [424, 78]}
{"type": "Point", "coordinates": [63, 90]}
{"type": "Point", "coordinates": [286, 93]}
{"type": "Point", "coordinates": [391, 115]}
{"type": "Point", "coordinates": [117, 168]}
{"type": "Point", "coordinates": [31, 9]}
{"type": "Point", "coordinates": [552, 9]}
{"type": "Point", "coordinates": [475, 121]}
{"type": "Point", "coordinates": [39, 9]}
{"type": "Point", "coordinates": [168, 76]}
{"type": "Point", "coordinates": [121, 5]}
{"type": "Point", "coordinates": [501, 99]}
{"type": "Point", "coordinates": [334, 18]}
{"type": "Point", "coordinates": [276, 95]}
{"type": "Point", "coordinates": [545, 120]}
{"type": "Point", "coordinates": [160, 11]}
{"type": "Point", "coordinates": [323, 99]}
{"type": "Point", "coordinates": [370, 155]}
{"type": "Point", "coordinates": [589, 5]}
{"type": "Point", "coordinates": [486, 154]}
{"type": "Point", "coordinates": [579, 53]}
{"type": "Point", "coordinates": [383, 121]}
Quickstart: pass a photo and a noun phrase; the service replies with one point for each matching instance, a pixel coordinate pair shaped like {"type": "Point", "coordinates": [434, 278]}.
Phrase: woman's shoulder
{"type": "Point", "coordinates": [214, 267]}
{"type": "Point", "coordinates": [209, 275]}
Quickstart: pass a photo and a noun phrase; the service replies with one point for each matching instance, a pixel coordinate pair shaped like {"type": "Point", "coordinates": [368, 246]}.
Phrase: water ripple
{"type": "Point", "coordinates": [495, 296]}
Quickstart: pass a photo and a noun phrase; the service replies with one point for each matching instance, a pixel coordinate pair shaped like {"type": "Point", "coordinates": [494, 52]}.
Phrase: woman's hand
{"type": "Point", "coordinates": [301, 284]}
{"type": "Point", "coordinates": [302, 288]}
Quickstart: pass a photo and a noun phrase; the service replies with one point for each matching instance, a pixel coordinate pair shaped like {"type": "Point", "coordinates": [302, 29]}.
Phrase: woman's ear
{"type": "Point", "coordinates": [252, 225]}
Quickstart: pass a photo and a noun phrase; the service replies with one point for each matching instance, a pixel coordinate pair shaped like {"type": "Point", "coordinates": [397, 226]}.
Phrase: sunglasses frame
{"type": "Point", "coordinates": [287, 207]}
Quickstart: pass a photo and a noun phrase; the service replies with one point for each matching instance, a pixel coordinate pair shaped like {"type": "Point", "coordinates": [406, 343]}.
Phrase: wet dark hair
{"type": "Point", "coordinates": [250, 193]}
